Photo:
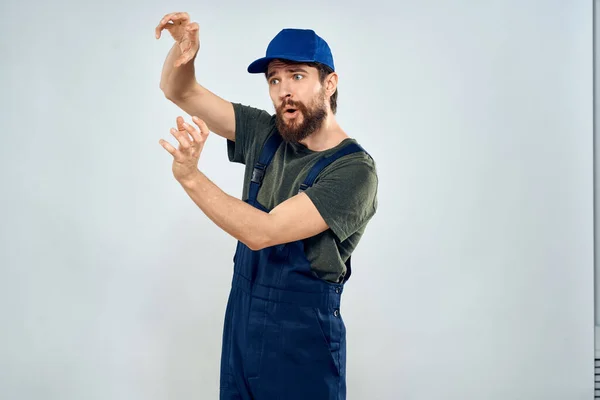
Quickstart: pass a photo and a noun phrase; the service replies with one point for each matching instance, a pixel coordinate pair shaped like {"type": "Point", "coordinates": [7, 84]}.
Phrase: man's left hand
{"type": "Point", "coordinates": [191, 143]}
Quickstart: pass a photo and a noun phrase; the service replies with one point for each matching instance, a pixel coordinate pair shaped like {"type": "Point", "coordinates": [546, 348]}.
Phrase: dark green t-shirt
{"type": "Point", "coordinates": [345, 192]}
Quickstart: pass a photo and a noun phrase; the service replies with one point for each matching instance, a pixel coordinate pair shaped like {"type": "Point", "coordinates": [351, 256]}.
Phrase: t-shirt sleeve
{"type": "Point", "coordinates": [252, 126]}
{"type": "Point", "coordinates": [346, 194]}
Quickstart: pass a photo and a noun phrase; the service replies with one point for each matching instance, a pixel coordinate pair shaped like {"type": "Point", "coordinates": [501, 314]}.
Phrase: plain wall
{"type": "Point", "coordinates": [473, 281]}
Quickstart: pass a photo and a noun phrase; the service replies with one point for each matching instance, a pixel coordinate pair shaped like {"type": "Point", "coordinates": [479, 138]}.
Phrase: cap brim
{"type": "Point", "coordinates": [262, 64]}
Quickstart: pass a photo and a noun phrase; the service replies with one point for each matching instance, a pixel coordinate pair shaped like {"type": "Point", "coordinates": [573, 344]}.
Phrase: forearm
{"type": "Point", "coordinates": [247, 224]}
{"type": "Point", "coordinates": [175, 81]}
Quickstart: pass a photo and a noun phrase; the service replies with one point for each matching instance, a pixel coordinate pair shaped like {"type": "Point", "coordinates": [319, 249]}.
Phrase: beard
{"type": "Point", "coordinates": [312, 119]}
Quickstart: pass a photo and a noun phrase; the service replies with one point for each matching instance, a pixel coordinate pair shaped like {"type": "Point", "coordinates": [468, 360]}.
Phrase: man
{"type": "Point", "coordinates": [309, 192]}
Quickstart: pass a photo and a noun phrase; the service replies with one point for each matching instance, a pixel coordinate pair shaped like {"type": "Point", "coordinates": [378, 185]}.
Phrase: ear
{"type": "Point", "coordinates": [331, 83]}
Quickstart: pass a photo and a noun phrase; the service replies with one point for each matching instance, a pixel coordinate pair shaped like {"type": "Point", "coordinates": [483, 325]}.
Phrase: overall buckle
{"type": "Point", "coordinates": [303, 187]}
{"type": "Point", "coordinates": [258, 173]}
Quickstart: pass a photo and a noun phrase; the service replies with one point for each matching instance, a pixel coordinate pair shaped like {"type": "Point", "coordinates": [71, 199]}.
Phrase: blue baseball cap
{"type": "Point", "coordinates": [300, 45]}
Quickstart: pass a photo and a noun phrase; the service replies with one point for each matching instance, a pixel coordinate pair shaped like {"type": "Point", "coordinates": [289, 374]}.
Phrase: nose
{"type": "Point", "coordinates": [285, 90]}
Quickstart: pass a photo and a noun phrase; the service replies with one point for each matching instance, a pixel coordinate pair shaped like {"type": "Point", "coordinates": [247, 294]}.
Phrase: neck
{"type": "Point", "coordinates": [329, 135]}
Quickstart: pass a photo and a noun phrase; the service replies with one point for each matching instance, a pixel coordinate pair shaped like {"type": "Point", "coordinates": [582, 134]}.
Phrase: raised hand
{"type": "Point", "coordinates": [184, 32]}
{"type": "Point", "coordinates": [191, 144]}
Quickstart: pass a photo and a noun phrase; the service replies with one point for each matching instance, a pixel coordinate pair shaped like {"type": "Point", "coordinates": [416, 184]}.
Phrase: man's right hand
{"type": "Point", "coordinates": [184, 32]}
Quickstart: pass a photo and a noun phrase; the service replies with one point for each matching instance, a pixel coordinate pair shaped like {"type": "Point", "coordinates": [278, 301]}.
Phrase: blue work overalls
{"type": "Point", "coordinates": [283, 336]}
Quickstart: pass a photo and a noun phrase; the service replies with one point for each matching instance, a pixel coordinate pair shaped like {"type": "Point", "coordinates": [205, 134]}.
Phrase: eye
{"type": "Point", "coordinates": [298, 76]}
{"type": "Point", "coordinates": [274, 81]}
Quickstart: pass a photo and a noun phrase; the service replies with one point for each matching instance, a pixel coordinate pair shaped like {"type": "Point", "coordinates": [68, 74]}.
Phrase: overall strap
{"type": "Point", "coordinates": [266, 155]}
{"type": "Point", "coordinates": [316, 170]}
{"type": "Point", "coordinates": [325, 161]}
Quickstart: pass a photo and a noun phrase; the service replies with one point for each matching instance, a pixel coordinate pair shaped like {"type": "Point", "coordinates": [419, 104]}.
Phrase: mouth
{"type": "Point", "coordinates": [290, 112]}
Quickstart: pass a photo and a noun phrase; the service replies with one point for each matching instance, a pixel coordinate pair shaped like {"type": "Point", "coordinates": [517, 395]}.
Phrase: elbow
{"type": "Point", "coordinates": [265, 235]}
{"type": "Point", "coordinates": [168, 95]}
{"type": "Point", "coordinates": [168, 92]}
{"type": "Point", "coordinates": [163, 87]}
{"type": "Point", "coordinates": [254, 247]}
{"type": "Point", "coordinates": [257, 244]}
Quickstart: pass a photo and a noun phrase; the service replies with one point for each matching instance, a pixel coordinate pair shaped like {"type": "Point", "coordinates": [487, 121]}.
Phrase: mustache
{"type": "Point", "coordinates": [291, 103]}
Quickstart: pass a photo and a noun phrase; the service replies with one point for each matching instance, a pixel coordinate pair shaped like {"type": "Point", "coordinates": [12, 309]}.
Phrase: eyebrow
{"type": "Point", "coordinates": [293, 69]}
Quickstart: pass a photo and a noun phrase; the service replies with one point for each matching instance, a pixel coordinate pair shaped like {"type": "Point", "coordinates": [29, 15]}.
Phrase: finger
{"type": "Point", "coordinates": [181, 126]}
{"type": "Point", "coordinates": [181, 17]}
{"type": "Point", "coordinates": [180, 121]}
{"type": "Point", "coordinates": [188, 49]}
{"type": "Point", "coordinates": [182, 138]}
{"type": "Point", "coordinates": [167, 146]}
{"type": "Point", "coordinates": [193, 27]}
{"type": "Point", "coordinates": [162, 24]}
{"type": "Point", "coordinates": [204, 131]}
{"type": "Point", "coordinates": [192, 131]}
{"type": "Point", "coordinates": [175, 18]}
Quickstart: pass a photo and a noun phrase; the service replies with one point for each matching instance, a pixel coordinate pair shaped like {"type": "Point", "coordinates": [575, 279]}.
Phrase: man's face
{"type": "Point", "coordinates": [299, 99]}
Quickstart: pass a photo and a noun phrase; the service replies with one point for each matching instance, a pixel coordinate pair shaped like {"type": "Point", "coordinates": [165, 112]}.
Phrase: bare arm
{"type": "Point", "coordinates": [178, 81]}
{"type": "Point", "coordinates": [294, 219]}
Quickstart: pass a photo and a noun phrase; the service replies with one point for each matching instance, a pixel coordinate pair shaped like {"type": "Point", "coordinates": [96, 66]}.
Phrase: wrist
{"type": "Point", "coordinates": [190, 179]}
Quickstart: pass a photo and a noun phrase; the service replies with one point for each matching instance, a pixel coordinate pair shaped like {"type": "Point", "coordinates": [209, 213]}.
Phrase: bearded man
{"type": "Point", "coordinates": [309, 192]}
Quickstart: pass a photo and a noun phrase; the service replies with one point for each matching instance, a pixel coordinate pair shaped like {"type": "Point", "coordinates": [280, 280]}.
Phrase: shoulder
{"type": "Point", "coordinates": [352, 158]}
{"type": "Point", "coordinates": [345, 191]}
{"type": "Point", "coordinates": [248, 115]}
{"type": "Point", "coordinates": [353, 174]}
{"type": "Point", "coordinates": [353, 171]}
{"type": "Point", "coordinates": [252, 128]}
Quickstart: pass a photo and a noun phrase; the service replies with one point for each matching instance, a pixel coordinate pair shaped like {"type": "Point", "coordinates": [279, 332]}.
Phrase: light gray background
{"type": "Point", "coordinates": [473, 281]}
